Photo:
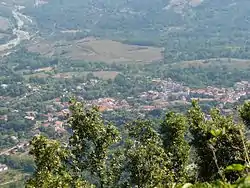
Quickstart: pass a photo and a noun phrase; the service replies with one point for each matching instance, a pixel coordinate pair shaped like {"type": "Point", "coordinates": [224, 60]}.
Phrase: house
{"type": "Point", "coordinates": [148, 108]}
{"type": "Point", "coordinates": [30, 118]}
{"type": "Point", "coordinates": [4, 118]}
{"type": "Point", "coordinates": [3, 167]}
{"type": "Point", "coordinates": [58, 124]}
{"type": "Point", "coordinates": [14, 138]}
{"type": "Point", "coordinates": [66, 111]}
{"type": "Point", "coordinates": [45, 124]}
{"type": "Point", "coordinates": [4, 86]}
{"type": "Point", "coordinates": [102, 108]}
{"type": "Point", "coordinates": [59, 129]}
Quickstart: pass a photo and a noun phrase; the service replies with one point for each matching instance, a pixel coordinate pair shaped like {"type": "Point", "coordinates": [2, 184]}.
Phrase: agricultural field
{"type": "Point", "coordinates": [98, 50]}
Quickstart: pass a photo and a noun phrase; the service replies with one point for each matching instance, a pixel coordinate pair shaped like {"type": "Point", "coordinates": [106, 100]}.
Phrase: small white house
{"type": "Point", "coordinates": [3, 167]}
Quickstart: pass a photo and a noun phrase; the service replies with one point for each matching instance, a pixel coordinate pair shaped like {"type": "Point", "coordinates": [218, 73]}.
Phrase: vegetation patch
{"type": "Point", "coordinates": [228, 62]}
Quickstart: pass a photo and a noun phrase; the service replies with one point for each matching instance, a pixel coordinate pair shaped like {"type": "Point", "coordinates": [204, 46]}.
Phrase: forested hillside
{"type": "Point", "coordinates": [188, 30]}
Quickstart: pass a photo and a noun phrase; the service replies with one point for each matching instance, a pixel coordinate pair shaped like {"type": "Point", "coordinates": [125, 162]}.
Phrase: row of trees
{"type": "Point", "coordinates": [187, 150]}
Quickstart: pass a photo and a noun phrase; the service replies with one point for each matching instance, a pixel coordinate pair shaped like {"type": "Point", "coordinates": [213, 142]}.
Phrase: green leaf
{"type": "Point", "coordinates": [216, 132]}
{"type": "Point", "coordinates": [235, 167]}
{"type": "Point", "coordinates": [186, 185]}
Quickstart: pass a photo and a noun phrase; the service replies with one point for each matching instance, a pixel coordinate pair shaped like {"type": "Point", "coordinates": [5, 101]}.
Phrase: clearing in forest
{"type": "Point", "coordinates": [98, 50]}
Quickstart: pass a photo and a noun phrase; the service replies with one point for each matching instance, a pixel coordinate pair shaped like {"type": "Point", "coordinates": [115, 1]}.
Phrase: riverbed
{"type": "Point", "coordinates": [20, 34]}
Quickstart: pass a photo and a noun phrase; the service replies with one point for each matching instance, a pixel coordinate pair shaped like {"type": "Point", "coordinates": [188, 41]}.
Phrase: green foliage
{"type": "Point", "coordinates": [143, 158]}
{"type": "Point", "coordinates": [241, 183]}
{"type": "Point", "coordinates": [235, 167]}
{"type": "Point", "coordinates": [90, 142]}
{"type": "Point", "coordinates": [219, 142]}
{"type": "Point", "coordinates": [147, 163]}
{"type": "Point", "coordinates": [245, 113]}
{"type": "Point", "coordinates": [50, 159]}
{"type": "Point", "coordinates": [173, 130]}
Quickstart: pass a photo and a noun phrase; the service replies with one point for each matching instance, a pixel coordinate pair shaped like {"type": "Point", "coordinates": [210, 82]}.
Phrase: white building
{"type": "Point", "coordinates": [3, 167]}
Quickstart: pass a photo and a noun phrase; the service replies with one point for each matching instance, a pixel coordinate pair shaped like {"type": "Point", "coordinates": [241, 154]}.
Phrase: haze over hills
{"type": "Point", "coordinates": [129, 58]}
{"type": "Point", "coordinates": [174, 25]}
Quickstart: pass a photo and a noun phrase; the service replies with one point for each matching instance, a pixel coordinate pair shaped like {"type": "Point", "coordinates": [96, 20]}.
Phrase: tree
{"type": "Point", "coordinates": [218, 142]}
{"type": "Point", "coordinates": [245, 113]}
{"type": "Point", "coordinates": [51, 165]}
{"type": "Point", "coordinates": [95, 156]}
{"type": "Point", "coordinates": [90, 143]}
{"type": "Point", "coordinates": [173, 130]}
{"type": "Point", "coordinates": [146, 162]}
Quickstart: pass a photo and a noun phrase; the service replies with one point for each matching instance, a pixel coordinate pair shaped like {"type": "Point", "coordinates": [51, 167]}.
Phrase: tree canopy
{"type": "Point", "coordinates": [186, 150]}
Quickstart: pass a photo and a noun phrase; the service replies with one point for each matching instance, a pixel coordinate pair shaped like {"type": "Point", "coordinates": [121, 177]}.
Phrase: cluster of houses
{"type": "Point", "coordinates": [109, 104]}
{"type": "Point", "coordinates": [163, 93]}
{"type": "Point", "coordinates": [56, 116]}
{"type": "Point", "coordinates": [167, 91]}
{"type": "Point", "coordinates": [224, 95]}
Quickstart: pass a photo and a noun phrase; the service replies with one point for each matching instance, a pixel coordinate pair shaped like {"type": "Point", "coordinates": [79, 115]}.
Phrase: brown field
{"type": "Point", "coordinates": [106, 74]}
{"type": "Point", "coordinates": [95, 50]}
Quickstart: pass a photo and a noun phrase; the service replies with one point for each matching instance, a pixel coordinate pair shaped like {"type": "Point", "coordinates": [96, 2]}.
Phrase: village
{"type": "Point", "coordinates": [165, 93]}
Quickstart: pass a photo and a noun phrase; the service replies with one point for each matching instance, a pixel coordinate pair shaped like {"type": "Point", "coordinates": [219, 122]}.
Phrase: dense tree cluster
{"type": "Point", "coordinates": [189, 150]}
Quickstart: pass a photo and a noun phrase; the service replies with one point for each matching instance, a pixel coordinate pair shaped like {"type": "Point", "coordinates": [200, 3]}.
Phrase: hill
{"type": "Point", "coordinates": [131, 59]}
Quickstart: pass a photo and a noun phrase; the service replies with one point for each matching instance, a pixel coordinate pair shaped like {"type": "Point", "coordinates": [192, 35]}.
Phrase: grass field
{"type": "Point", "coordinates": [229, 63]}
{"type": "Point", "coordinates": [96, 50]}
{"type": "Point", "coordinates": [10, 176]}
{"type": "Point", "coordinates": [106, 74]}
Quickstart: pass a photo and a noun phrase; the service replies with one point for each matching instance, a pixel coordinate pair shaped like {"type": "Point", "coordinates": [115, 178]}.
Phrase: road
{"type": "Point", "coordinates": [7, 151]}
